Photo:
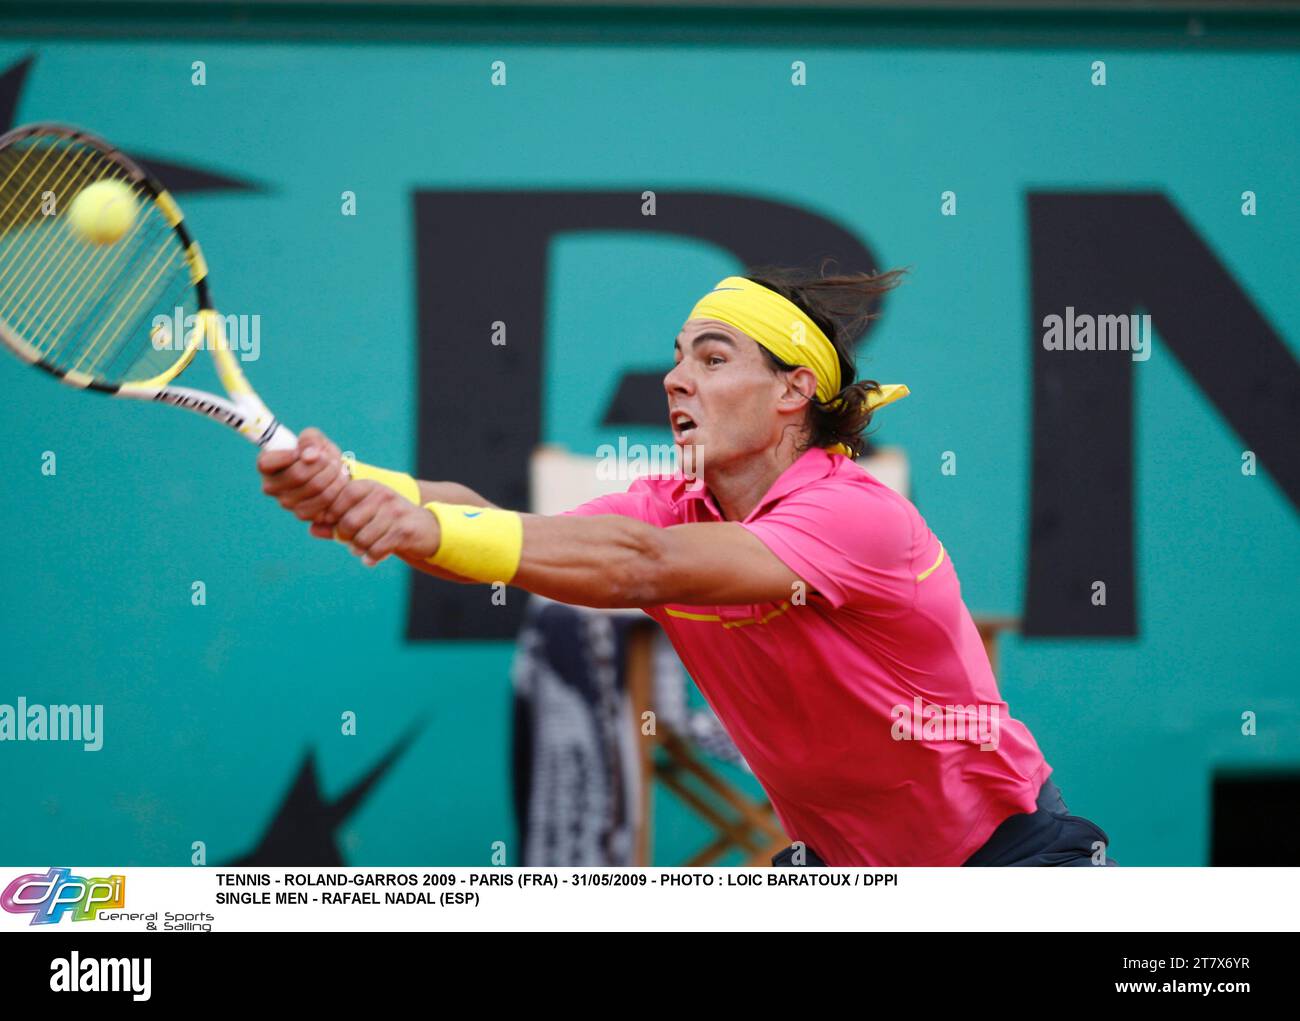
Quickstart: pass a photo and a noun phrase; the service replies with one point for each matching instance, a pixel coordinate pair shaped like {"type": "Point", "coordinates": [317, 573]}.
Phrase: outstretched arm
{"type": "Point", "coordinates": [604, 560]}
{"type": "Point", "coordinates": [615, 561]}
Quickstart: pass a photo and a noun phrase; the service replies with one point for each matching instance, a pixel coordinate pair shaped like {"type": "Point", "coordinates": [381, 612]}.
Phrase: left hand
{"type": "Point", "coordinates": [377, 522]}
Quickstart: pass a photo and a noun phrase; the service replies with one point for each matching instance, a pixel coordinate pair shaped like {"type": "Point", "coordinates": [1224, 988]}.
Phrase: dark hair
{"type": "Point", "coordinates": [841, 305]}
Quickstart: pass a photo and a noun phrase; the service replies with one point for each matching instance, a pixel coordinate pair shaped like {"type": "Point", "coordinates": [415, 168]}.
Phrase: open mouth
{"type": "Point", "coordinates": [683, 425]}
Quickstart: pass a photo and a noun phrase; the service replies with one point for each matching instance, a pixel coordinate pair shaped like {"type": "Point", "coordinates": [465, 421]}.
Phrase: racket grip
{"type": "Point", "coordinates": [281, 438]}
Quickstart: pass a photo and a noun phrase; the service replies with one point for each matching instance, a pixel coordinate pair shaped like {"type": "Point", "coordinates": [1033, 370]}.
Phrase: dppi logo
{"type": "Point", "coordinates": [47, 897]}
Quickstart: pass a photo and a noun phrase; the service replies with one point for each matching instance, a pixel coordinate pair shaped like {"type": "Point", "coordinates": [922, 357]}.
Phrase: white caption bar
{"type": "Point", "coordinates": [83, 899]}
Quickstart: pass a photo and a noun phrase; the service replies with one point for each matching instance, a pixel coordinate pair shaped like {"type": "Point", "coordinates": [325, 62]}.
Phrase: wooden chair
{"type": "Point", "coordinates": [990, 628]}
{"type": "Point", "coordinates": [741, 822]}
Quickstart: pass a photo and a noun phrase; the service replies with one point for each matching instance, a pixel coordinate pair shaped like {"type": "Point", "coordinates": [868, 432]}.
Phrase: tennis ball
{"type": "Point", "coordinates": [103, 212]}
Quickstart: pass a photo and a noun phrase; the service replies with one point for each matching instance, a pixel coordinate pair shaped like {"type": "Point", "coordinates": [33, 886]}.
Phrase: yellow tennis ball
{"type": "Point", "coordinates": [103, 212]}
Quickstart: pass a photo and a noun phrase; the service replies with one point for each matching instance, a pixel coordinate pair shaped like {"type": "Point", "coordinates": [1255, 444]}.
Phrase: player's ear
{"type": "Point", "coordinates": [800, 387]}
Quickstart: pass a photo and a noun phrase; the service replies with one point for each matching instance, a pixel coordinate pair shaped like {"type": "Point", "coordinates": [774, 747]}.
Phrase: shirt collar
{"type": "Point", "coordinates": [813, 464]}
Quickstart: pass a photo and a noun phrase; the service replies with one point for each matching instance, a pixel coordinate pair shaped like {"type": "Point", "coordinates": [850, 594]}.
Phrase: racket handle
{"type": "Point", "coordinates": [281, 439]}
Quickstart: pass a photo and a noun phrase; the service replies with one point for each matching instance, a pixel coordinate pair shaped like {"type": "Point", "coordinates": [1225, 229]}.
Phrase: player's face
{"type": "Point", "coordinates": [722, 396]}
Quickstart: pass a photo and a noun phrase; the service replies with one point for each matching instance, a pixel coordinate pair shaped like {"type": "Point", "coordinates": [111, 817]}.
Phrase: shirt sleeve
{"type": "Point", "coordinates": [853, 544]}
{"type": "Point", "coordinates": [636, 502]}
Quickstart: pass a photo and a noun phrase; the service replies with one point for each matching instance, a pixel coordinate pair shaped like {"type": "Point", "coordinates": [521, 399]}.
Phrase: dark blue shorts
{"type": "Point", "coordinates": [1048, 836]}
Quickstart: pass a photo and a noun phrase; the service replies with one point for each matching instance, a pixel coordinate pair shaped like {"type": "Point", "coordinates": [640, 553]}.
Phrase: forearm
{"type": "Point", "coordinates": [417, 490]}
{"type": "Point", "coordinates": [603, 560]}
{"type": "Point", "coordinates": [606, 560]}
{"type": "Point", "coordinates": [450, 492]}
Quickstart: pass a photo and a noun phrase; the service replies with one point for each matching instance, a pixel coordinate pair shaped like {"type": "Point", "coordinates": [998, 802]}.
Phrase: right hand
{"type": "Point", "coordinates": [305, 480]}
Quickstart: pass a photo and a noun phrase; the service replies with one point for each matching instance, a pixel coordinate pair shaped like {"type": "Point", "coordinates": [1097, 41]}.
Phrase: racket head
{"type": "Point", "coordinates": [101, 316]}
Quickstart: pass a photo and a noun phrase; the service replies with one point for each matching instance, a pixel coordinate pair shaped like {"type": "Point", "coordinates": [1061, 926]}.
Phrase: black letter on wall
{"type": "Point", "coordinates": [1116, 254]}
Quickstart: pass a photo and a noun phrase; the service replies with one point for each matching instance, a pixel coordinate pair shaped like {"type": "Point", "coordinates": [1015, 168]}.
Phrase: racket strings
{"type": "Point", "coordinates": [126, 311]}
{"type": "Point", "coordinates": [90, 271]}
{"type": "Point", "coordinates": [57, 177]}
{"type": "Point", "coordinates": [46, 188]}
{"type": "Point", "coordinates": [168, 338]}
{"type": "Point", "coordinates": [61, 239]}
{"type": "Point", "coordinates": [50, 269]}
{"type": "Point", "coordinates": [115, 312]}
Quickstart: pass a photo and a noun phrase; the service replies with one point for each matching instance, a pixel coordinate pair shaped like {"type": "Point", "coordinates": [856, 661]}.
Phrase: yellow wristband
{"type": "Point", "coordinates": [483, 543]}
{"type": "Point", "coordinates": [399, 482]}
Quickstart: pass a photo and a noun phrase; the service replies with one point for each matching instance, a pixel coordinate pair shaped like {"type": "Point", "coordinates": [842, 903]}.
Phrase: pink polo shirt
{"type": "Point", "coordinates": [867, 709]}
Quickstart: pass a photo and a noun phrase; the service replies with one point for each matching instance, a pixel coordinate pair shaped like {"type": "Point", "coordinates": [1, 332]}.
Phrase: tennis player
{"type": "Point", "coordinates": [818, 614]}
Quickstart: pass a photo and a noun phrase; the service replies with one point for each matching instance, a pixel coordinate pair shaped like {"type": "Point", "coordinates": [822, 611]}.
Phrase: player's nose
{"type": "Point", "coordinates": [677, 380]}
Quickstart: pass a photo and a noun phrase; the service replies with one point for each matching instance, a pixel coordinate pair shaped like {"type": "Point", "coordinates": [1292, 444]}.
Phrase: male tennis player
{"type": "Point", "coordinates": [817, 613]}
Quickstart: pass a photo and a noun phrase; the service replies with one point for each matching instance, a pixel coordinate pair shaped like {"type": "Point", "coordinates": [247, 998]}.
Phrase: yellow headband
{"type": "Point", "coordinates": [777, 324]}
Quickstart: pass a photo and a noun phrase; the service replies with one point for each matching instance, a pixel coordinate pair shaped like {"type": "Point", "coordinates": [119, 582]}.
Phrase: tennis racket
{"type": "Point", "coordinates": [99, 316]}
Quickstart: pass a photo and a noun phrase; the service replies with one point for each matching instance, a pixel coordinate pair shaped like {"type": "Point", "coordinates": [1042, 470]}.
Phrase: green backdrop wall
{"type": "Point", "coordinates": [211, 710]}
